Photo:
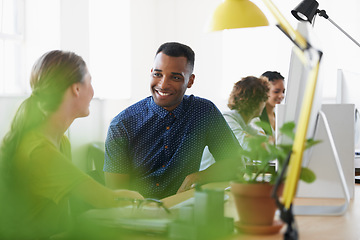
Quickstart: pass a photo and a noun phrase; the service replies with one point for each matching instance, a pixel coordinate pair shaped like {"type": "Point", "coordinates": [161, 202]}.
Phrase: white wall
{"type": "Point", "coordinates": [158, 21]}
{"type": "Point", "coordinates": [339, 51]}
{"type": "Point", "coordinates": [64, 24]}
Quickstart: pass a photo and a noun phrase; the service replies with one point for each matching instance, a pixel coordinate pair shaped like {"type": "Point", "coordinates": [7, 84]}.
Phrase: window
{"type": "Point", "coordinates": [11, 47]}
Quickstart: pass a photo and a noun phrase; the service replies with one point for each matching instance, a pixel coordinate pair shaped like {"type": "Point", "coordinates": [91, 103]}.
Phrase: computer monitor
{"type": "Point", "coordinates": [298, 76]}
{"type": "Point", "coordinates": [348, 85]}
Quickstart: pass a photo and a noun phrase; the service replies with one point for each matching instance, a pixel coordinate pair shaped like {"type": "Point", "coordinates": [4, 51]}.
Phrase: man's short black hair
{"type": "Point", "coordinates": [272, 75]}
{"type": "Point", "coordinates": [175, 49]}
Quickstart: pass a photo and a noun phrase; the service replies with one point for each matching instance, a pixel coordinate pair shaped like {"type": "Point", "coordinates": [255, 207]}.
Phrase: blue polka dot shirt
{"type": "Point", "coordinates": [158, 148]}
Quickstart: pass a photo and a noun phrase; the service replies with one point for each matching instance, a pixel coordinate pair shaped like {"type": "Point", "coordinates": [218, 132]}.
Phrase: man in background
{"type": "Point", "coordinates": [155, 146]}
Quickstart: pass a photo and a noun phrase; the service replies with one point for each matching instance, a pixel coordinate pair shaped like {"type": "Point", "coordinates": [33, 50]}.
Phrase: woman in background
{"type": "Point", "coordinates": [37, 175]}
{"type": "Point", "coordinates": [246, 102]}
{"type": "Point", "coordinates": [276, 95]}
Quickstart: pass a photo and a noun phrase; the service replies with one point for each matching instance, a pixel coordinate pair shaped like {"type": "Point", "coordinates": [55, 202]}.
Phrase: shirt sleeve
{"type": "Point", "coordinates": [207, 159]}
{"type": "Point", "coordinates": [239, 132]}
{"type": "Point", "coordinates": [220, 139]}
{"type": "Point", "coordinates": [116, 150]}
{"type": "Point", "coordinates": [52, 174]}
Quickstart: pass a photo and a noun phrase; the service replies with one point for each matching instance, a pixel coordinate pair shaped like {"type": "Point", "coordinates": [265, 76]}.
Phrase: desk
{"type": "Point", "coordinates": [309, 227]}
{"type": "Point", "coordinates": [342, 227]}
{"type": "Point", "coordinates": [317, 227]}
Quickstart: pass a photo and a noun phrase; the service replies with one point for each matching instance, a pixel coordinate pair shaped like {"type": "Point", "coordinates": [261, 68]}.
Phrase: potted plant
{"type": "Point", "coordinates": [254, 184]}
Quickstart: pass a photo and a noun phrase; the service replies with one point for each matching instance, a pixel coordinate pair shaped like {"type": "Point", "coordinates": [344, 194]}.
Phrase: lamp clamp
{"type": "Point", "coordinates": [322, 13]}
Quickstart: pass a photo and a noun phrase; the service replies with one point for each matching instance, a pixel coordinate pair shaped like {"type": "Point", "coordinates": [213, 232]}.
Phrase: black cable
{"type": "Point", "coordinates": [286, 215]}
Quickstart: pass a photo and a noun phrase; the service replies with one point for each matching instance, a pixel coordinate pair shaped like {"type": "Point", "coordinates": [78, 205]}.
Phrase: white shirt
{"type": "Point", "coordinates": [241, 131]}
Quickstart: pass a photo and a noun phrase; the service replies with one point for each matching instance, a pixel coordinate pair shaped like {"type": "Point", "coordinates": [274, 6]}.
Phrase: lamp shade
{"type": "Point", "coordinates": [237, 14]}
{"type": "Point", "coordinates": [306, 10]}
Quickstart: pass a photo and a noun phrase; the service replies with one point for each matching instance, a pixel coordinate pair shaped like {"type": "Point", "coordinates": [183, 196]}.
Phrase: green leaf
{"type": "Point", "coordinates": [285, 147]}
{"type": "Point", "coordinates": [288, 129]}
{"type": "Point", "coordinates": [260, 152]}
{"type": "Point", "coordinates": [265, 126]}
{"type": "Point", "coordinates": [311, 142]}
{"type": "Point", "coordinates": [307, 175]}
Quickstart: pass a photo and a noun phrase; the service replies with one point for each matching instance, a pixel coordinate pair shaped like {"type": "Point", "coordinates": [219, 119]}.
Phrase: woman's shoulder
{"type": "Point", "coordinates": [28, 149]}
{"type": "Point", "coordinates": [233, 115]}
{"type": "Point", "coordinates": [34, 142]}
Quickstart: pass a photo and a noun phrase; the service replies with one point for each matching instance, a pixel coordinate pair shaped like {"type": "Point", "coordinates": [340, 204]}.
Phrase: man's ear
{"type": "Point", "coordinates": [191, 81]}
{"type": "Point", "coordinates": [75, 89]}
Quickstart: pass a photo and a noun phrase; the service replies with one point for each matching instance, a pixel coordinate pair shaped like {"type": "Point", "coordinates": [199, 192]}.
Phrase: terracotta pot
{"type": "Point", "coordinates": [254, 203]}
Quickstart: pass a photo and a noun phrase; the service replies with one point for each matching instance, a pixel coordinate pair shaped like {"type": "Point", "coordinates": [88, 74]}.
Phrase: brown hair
{"type": "Point", "coordinates": [248, 93]}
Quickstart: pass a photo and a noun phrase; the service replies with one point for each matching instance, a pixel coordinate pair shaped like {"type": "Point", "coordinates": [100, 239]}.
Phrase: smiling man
{"type": "Point", "coordinates": [155, 146]}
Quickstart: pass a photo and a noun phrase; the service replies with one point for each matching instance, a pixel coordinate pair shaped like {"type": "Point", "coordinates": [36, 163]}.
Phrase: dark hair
{"type": "Point", "coordinates": [272, 75]}
{"type": "Point", "coordinates": [175, 49]}
{"type": "Point", "coordinates": [248, 93]}
{"type": "Point", "coordinates": [51, 75]}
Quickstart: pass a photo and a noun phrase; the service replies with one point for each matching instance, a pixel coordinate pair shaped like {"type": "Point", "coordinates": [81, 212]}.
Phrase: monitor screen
{"type": "Point", "coordinates": [298, 75]}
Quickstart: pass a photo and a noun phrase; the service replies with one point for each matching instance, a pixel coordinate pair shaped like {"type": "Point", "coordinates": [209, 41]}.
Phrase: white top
{"type": "Point", "coordinates": [241, 131]}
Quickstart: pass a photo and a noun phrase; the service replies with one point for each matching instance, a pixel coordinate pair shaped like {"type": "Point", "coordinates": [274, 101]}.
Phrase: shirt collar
{"type": "Point", "coordinates": [178, 111]}
{"type": "Point", "coordinates": [239, 119]}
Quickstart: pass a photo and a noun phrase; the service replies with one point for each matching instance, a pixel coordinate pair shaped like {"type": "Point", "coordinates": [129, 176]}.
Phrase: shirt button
{"type": "Point", "coordinates": [157, 184]}
{"type": "Point", "coordinates": [167, 128]}
{"type": "Point", "coordinates": [166, 147]}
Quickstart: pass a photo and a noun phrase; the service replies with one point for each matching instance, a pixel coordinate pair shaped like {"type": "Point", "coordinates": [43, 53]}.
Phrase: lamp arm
{"type": "Point", "coordinates": [285, 26]}
{"type": "Point", "coordinates": [322, 13]}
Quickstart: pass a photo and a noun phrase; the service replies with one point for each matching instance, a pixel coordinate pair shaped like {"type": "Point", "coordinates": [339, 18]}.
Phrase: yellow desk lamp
{"type": "Point", "coordinates": [242, 14]}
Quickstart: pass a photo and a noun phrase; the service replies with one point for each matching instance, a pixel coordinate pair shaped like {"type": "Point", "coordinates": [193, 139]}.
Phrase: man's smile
{"type": "Point", "coordinates": [161, 93]}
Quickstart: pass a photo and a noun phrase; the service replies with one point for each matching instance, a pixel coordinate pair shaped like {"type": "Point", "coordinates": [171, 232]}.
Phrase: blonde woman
{"type": "Point", "coordinates": [37, 174]}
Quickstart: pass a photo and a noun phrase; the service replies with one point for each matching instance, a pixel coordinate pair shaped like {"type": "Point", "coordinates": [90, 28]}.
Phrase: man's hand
{"type": "Point", "coordinates": [190, 182]}
{"type": "Point", "coordinates": [218, 172]}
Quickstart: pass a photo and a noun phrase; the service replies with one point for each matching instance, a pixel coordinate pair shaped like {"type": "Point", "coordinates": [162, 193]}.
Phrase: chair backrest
{"type": "Point", "coordinates": [95, 159]}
